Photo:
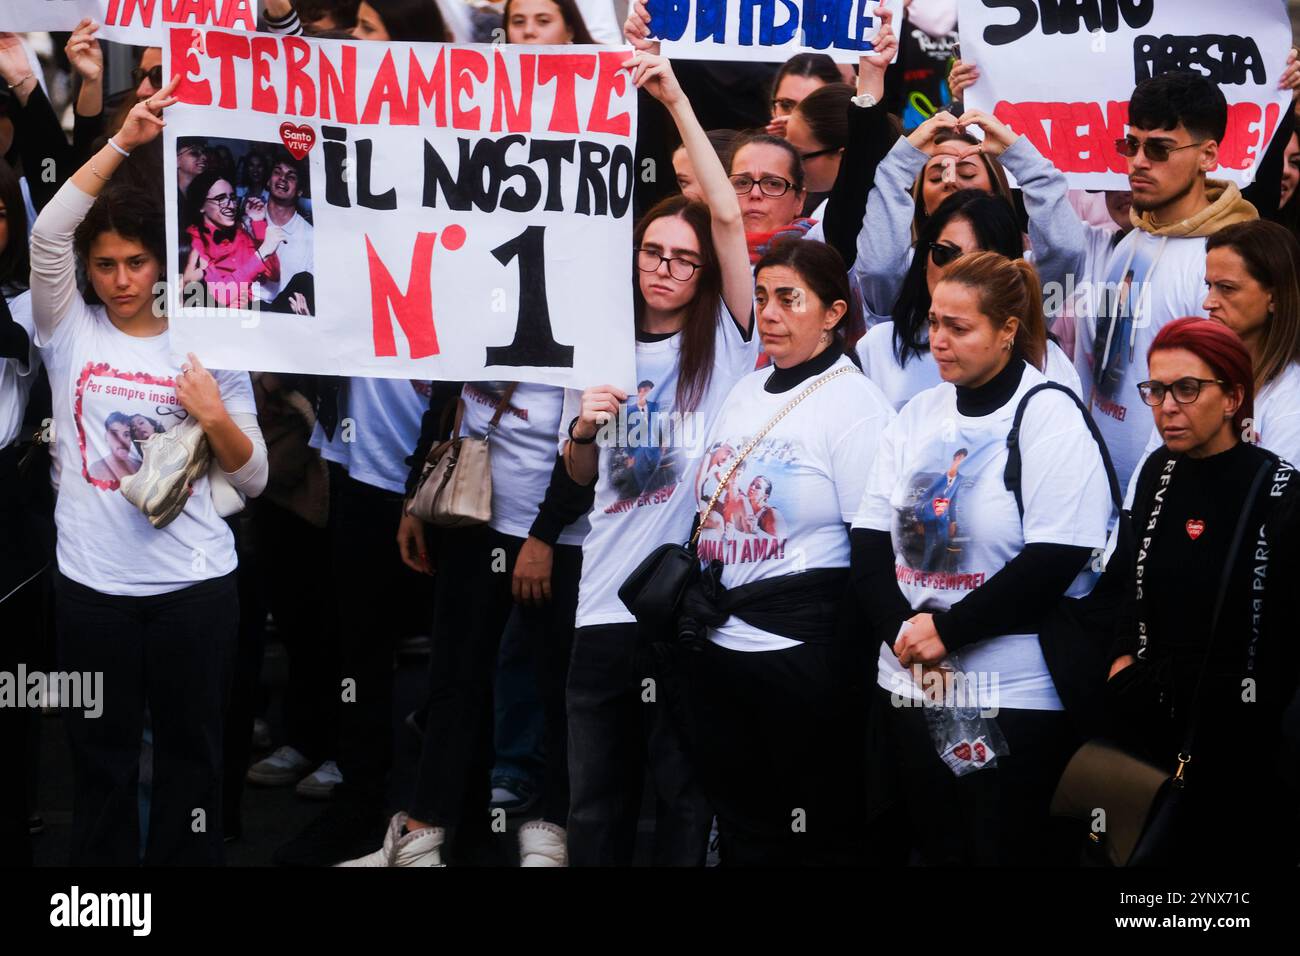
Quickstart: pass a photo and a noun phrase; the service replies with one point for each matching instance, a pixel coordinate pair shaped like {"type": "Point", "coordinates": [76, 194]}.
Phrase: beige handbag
{"type": "Point", "coordinates": [455, 488]}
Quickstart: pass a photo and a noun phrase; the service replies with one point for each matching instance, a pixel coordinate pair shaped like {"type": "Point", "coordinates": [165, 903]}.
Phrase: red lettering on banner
{"type": "Point", "coordinates": [227, 48]}
{"type": "Point", "coordinates": [1076, 138]}
{"type": "Point", "coordinates": [387, 91]}
{"type": "Point", "coordinates": [610, 78]}
{"type": "Point", "coordinates": [428, 87]}
{"type": "Point", "coordinates": [464, 62]}
{"type": "Point", "coordinates": [194, 92]}
{"type": "Point", "coordinates": [563, 69]}
{"type": "Point", "coordinates": [518, 116]}
{"type": "Point", "coordinates": [297, 54]}
{"type": "Point", "coordinates": [235, 14]}
{"type": "Point", "coordinates": [1082, 140]}
{"type": "Point", "coordinates": [413, 308]}
{"type": "Point", "coordinates": [265, 99]}
{"type": "Point", "coordinates": [342, 90]}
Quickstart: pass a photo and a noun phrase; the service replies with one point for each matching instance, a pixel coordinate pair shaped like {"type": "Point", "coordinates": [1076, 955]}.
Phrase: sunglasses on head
{"type": "Point", "coordinates": [1156, 151]}
{"type": "Point", "coordinates": [942, 254]}
{"type": "Point", "coordinates": [154, 75]}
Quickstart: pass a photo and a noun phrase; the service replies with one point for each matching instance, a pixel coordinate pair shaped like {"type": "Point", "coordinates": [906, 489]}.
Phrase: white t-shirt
{"type": "Point", "coordinates": [646, 471]}
{"type": "Point", "coordinates": [1276, 424]}
{"type": "Point", "coordinates": [379, 426]}
{"type": "Point", "coordinates": [954, 524]}
{"type": "Point", "coordinates": [522, 452]}
{"type": "Point", "coordinates": [16, 376]}
{"type": "Point", "coordinates": [1149, 282]}
{"type": "Point", "coordinates": [901, 383]}
{"type": "Point", "coordinates": [111, 391]}
{"type": "Point", "coordinates": [786, 507]}
{"type": "Point", "coordinates": [295, 256]}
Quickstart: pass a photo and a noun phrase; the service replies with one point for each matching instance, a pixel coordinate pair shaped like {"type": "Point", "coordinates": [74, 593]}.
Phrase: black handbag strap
{"type": "Point", "coordinates": [1011, 474]}
{"type": "Point", "coordinates": [1238, 535]}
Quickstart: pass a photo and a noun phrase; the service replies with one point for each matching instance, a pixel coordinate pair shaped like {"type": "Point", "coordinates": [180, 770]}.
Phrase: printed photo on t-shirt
{"type": "Point", "coordinates": [1124, 301]}
{"type": "Point", "coordinates": [750, 518]}
{"type": "Point", "coordinates": [929, 526]}
{"type": "Point", "coordinates": [116, 413]}
{"type": "Point", "coordinates": [643, 458]}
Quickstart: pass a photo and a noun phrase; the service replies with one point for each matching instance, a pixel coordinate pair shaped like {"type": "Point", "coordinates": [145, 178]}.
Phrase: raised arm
{"type": "Point", "coordinates": [655, 75]}
{"type": "Point", "coordinates": [870, 139]}
{"type": "Point", "coordinates": [1056, 234]}
{"type": "Point", "coordinates": [54, 273]}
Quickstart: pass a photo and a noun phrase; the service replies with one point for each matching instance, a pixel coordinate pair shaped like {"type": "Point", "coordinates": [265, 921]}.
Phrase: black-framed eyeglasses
{"type": "Point", "coordinates": [1156, 151]}
{"type": "Point", "coordinates": [784, 106]}
{"type": "Point", "coordinates": [226, 199]}
{"type": "Point", "coordinates": [942, 254]}
{"type": "Point", "coordinates": [154, 75]}
{"type": "Point", "coordinates": [819, 152]}
{"type": "Point", "coordinates": [647, 260]}
{"type": "Point", "coordinates": [773, 187]}
{"type": "Point", "coordinates": [1185, 390]}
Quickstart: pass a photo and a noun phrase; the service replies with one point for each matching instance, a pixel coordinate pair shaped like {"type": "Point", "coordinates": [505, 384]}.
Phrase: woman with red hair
{"type": "Point", "coordinates": [1205, 662]}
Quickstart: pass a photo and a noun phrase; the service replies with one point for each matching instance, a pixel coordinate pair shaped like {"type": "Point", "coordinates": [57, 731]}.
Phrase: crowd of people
{"type": "Point", "coordinates": [899, 458]}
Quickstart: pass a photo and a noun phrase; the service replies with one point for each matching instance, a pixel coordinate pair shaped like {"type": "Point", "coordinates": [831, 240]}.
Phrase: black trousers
{"type": "Point", "coordinates": [778, 738]}
{"type": "Point", "coordinates": [172, 653]}
{"type": "Point", "coordinates": [26, 548]}
{"type": "Point", "coordinates": [378, 602]}
{"type": "Point", "coordinates": [992, 817]}
{"type": "Point", "coordinates": [626, 710]}
{"type": "Point", "coordinates": [473, 604]}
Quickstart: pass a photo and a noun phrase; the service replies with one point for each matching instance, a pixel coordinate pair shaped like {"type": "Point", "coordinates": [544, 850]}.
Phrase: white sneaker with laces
{"type": "Point", "coordinates": [282, 768]}
{"type": "Point", "coordinates": [542, 844]}
{"type": "Point", "coordinates": [173, 461]}
{"type": "Point", "coordinates": [320, 783]}
{"type": "Point", "coordinates": [421, 847]}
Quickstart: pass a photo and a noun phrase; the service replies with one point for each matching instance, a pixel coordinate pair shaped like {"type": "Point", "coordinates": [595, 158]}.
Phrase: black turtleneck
{"type": "Point", "coordinates": [1012, 601]}
{"type": "Point", "coordinates": [784, 379]}
{"type": "Point", "coordinates": [988, 398]}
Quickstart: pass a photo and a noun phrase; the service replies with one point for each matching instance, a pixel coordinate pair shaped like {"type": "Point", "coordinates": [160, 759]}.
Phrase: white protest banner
{"type": "Point", "coordinates": [401, 210]}
{"type": "Point", "coordinates": [1062, 73]}
{"type": "Point", "coordinates": [141, 22]}
{"type": "Point", "coordinates": [766, 30]}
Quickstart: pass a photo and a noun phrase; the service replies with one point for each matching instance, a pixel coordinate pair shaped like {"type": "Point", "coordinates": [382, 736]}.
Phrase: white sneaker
{"type": "Point", "coordinates": [282, 768]}
{"type": "Point", "coordinates": [173, 461]}
{"type": "Point", "coordinates": [418, 848]}
{"type": "Point", "coordinates": [542, 844]}
{"type": "Point", "coordinates": [320, 783]}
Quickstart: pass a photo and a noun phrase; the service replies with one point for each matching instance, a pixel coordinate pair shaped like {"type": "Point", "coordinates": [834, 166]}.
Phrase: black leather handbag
{"type": "Point", "coordinates": [653, 592]}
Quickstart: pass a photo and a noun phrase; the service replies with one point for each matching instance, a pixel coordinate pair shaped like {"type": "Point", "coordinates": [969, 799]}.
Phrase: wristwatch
{"type": "Point", "coordinates": [865, 100]}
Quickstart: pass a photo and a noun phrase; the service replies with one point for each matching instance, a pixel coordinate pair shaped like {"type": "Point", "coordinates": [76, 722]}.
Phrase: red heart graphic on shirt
{"type": "Point", "coordinates": [298, 140]}
{"type": "Point", "coordinates": [962, 751]}
{"type": "Point", "coordinates": [1194, 528]}
{"type": "Point", "coordinates": [940, 506]}
{"type": "Point", "coordinates": [981, 754]}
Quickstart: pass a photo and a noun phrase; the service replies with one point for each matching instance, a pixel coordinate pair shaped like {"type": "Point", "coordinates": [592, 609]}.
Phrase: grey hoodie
{"type": "Point", "coordinates": [1056, 235]}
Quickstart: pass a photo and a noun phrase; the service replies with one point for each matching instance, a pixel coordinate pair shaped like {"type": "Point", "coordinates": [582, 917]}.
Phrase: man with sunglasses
{"type": "Point", "coordinates": [1156, 273]}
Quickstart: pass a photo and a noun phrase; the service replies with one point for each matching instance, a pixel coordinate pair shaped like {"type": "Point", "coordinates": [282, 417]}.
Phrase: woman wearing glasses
{"type": "Point", "coordinates": [228, 255]}
{"type": "Point", "coordinates": [799, 76]}
{"type": "Point", "coordinates": [693, 297]}
{"type": "Point", "coordinates": [896, 355]}
{"type": "Point", "coordinates": [1172, 670]}
{"type": "Point", "coordinates": [1253, 287]}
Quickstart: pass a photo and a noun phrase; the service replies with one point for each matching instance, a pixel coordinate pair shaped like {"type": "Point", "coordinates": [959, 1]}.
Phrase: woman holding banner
{"type": "Point", "coordinates": [694, 320]}
{"type": "Point", "coordinates": [161, 626]}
